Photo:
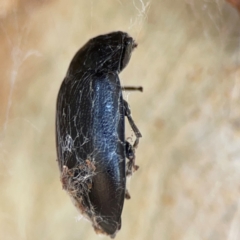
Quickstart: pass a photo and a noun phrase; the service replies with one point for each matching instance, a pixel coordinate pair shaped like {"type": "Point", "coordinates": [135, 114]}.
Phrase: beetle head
{"type": "Point", "coordinates": [109, 52]}
{"type": "Point", "coordinates": [127, 47]}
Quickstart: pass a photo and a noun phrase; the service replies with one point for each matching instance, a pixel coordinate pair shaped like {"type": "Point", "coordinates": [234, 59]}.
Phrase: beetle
{"type": "Point", "coordinates": [90, 131]}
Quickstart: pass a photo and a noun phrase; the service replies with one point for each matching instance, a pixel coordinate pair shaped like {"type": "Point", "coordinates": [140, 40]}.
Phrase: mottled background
{"type": "Point", "coordinates": [188, 184]}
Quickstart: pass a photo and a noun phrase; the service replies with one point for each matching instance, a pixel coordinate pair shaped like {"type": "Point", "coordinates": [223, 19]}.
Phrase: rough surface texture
{"type": "Point", "coordinates": [187, 187]}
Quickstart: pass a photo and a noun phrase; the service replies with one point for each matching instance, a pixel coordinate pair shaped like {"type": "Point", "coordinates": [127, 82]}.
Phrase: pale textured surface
{"type": "Point", "coordinates": [187, 187]}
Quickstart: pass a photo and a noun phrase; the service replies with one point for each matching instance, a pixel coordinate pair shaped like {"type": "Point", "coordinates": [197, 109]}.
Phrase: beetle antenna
{"type": "Point", "coordinates": [130, 88]}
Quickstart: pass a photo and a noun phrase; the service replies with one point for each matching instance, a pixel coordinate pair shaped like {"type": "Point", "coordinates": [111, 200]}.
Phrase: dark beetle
{"type": "Point", "coordinates": [90, 131]}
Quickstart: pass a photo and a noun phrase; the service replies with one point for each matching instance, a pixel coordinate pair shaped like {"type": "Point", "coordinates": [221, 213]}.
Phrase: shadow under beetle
{"type": "Point", "coordinates": [90, 131]}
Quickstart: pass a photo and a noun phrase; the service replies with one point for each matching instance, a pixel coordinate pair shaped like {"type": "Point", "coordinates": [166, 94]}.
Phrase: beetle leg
{"type": "Point", "coordinates": [130, 154]}
{"type": "Point", "coordinates": [127, 195]}
{"type": "Point", "coordinates": [132, 124]}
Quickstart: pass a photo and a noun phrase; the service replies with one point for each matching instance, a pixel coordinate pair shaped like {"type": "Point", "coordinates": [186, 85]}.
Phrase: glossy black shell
{"type": "Point", "coordinates": [90, 130]}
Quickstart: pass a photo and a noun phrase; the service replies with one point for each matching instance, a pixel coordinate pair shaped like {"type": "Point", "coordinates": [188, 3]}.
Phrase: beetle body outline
{"type": "Point", "coordinates": [90, 131]}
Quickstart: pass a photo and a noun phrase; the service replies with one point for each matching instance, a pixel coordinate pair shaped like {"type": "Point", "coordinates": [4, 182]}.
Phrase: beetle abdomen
{"type": "Point", "coordinates": [92, 149]}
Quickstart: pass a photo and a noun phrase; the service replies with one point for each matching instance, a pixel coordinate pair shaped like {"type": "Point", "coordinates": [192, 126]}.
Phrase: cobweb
{"type": "Point", "coordinates": [18, 56]}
